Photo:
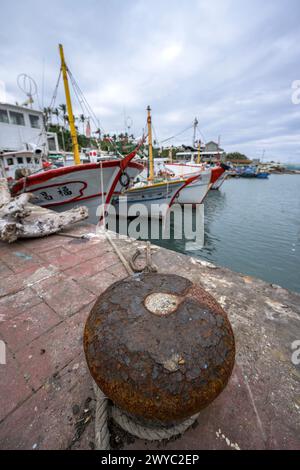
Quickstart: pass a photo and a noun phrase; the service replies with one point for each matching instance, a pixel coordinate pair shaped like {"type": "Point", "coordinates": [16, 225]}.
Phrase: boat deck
{"type": "Point", "coordinates": [48, 287]}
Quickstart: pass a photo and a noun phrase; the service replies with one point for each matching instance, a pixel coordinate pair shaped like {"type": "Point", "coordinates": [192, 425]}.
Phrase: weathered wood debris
{"type": "Point", "coordinates": [21, 219]}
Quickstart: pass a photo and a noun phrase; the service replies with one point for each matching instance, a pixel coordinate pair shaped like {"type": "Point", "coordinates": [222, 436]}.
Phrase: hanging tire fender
{"type": "Point", "coordinates": [124, 179]}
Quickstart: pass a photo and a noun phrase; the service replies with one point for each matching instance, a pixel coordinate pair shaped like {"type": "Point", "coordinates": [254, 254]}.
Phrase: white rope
{"type": "Point", "coordinates": [118, 252]}
{"type": "Point", "coordinates": [157, 433]}
{"type": "Point", "coordinates": [101, 427]}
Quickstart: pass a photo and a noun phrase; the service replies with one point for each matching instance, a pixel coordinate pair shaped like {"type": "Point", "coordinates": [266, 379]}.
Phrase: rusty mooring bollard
{"type": "Point", "coordinates": [159, 346]}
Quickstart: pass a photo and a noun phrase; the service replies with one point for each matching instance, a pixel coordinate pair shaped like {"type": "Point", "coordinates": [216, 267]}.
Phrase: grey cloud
{"type": "Point", "coordinates": [229, 62]}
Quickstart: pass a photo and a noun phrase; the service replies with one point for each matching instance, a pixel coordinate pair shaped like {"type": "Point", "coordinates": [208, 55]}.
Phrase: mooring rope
{"type": "Point", "coordinates": [157, 433]}
{"type": "Point", "coordinates": [104, 409]}
{"type": "Point", "coordinates": [101, 420]}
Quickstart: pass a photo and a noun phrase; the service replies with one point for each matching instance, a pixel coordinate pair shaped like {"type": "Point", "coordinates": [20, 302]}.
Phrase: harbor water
{"type": "Point", "coordinates": [252, 226]}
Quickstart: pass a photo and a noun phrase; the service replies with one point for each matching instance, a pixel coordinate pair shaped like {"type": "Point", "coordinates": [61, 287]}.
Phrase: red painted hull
{"type": "Point", "coordinates": [91, 184]}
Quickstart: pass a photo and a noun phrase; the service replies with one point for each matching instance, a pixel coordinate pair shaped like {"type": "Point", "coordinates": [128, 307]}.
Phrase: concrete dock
{"type": "Point", "coordinates": [47, 289]}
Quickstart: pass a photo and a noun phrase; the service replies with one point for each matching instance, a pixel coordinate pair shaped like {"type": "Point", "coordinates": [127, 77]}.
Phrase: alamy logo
{"type": "Point", "coordinates": [296, 354]}
{"type": "Point", "coordinates": [2, 352]}
{"type": "Point", "coordinates": [296, 92]}
{"type": "Point", "coordinates": [187, 222]}
{"type": "Point", "coordinates": [2, 92]}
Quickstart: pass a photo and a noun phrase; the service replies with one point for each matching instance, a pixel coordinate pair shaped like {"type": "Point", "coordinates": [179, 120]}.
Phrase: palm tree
{"type": "Point", "coordinates": [47, 116]}
{"type": "Point", "coordinates": [82, 119]}
{"type": "Point", "coordinates": [63, 109]}
{"type": "Point", "coordinates": [55, 111]}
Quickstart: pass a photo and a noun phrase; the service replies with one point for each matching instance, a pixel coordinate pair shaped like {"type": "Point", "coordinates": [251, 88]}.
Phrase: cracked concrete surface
{"type": "Point", "coordinates": [46, 397]}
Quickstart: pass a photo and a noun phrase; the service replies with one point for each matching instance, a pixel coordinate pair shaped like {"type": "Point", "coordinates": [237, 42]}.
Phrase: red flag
{"type": "Point", "coordinates": [88, 129]}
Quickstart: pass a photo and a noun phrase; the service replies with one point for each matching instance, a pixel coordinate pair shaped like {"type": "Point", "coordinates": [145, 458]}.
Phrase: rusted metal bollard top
{"type": "Point", "coordinates": [160, 347]}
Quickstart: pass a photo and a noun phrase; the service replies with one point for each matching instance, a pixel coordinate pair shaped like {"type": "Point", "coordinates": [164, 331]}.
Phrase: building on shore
{"type": "Point", "coordinates": [22, 128]}
{"type": "Point", "coordinates": [210, 152]}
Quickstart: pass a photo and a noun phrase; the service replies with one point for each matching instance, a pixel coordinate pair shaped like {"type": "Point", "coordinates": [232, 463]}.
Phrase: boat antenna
{"type": "Point", "coordinates": [195, 130]}
{"type": "Point", "coordinates": [64, 70]}
{"type": "Point", "coordinates": [28, 86]}
{"type": "Point", "coordinates": [128, 124]}
{"type": "Point", "coordinates": [151, 166]}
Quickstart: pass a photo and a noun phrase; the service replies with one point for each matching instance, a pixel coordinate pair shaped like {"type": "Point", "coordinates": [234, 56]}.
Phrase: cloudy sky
{"type": "Point", "coordinates": [231, 63]}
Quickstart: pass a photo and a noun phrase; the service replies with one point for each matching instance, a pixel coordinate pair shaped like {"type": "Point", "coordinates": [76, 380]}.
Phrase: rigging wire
{"type": "Point", "coordinates": [176, 135]}
{"type": "Point", "coordinates": [201, 135]}
{"type": "Point", "coordinates": [53, 99]}
{"type": "Point", "coordinates": [51, 106]}
{"type": "Point", "coordinates": [84, 103]}
{"type": "Point", "coordinates": [155, 136]}
{"type": "Point", "coordinates": [83, 100]}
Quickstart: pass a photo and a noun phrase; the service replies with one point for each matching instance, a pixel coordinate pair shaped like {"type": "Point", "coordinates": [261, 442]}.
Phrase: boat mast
{"type": "Point", "coordinates": [151, 166]}
{"type": "Point", "coordinates": [199, 156]}
{"type": "Point", "coordinates": [64, 70]}
{"type": "Point", "coordinates": [195, 128]}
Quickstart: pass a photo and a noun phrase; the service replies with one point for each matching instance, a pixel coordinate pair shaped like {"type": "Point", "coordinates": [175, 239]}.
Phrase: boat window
{"type": "Point", "coordinates": [4, 116]}
{"type": "Point", "coordinates": [20, 160]}
{"type": "Point", "coordinates": [17, 118]}
{"type": "Point", "coordinates": [10, 161]}
{"type": "Point", "coordinates": [28, 159]}
{"type": "Point", "coordinates": [34, 121]}
{"type": "Point", "coordinates": [36, 160]}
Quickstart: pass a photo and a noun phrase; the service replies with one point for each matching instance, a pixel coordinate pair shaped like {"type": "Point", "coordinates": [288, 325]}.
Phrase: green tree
{"type": "Point", "coordinates": [82, 119]}
{"type": "Point", "coordinates": [55, 112]}
{"type": "Point", "coordinates": [236, 156]}
{"type": "Point", "coordinates": [47, 116]}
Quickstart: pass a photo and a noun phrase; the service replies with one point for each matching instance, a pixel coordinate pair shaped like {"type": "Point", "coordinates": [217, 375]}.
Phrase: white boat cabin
{"type": "Point", "coordinates": [12, 162]}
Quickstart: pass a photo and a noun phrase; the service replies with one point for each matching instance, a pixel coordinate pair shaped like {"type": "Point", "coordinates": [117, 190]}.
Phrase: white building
{"type": "Point", "coordinates": [22, 128]}
{"type": "Point", "coordinates": [23, 141]}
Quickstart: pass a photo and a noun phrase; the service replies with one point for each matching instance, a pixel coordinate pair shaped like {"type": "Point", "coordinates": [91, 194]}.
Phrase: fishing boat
{"type": "Point", "coordinates": [218, 183]}
{"type": "Point", "coordinates": [209, 177]}
{"type": "Point", "coordinates": [212, 177]}
{"type": "Point", "coordinates": [262, 175]}
{"type": "Point", "coordinates": [153, 195]}
{"type": "Point", "coordinates": [91, 184]}
{"type": "Point", "coordinates": [252, 172]}
{"type": "Point", "coordinates": [247, 172]}
{"type": "Point", "coordinates": [153, 192]}
{"type": "Point", "coordinates": [184, 184]}
{"type": "Point", "coordinates": [20, 163]}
